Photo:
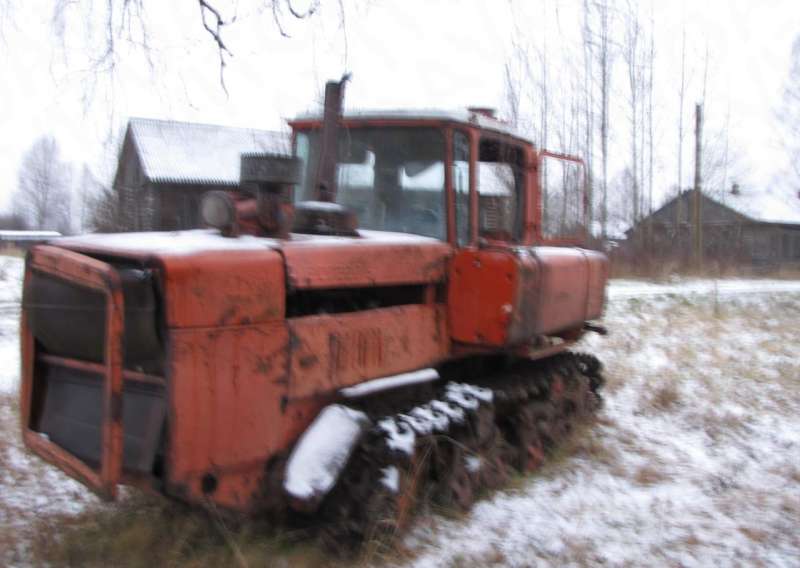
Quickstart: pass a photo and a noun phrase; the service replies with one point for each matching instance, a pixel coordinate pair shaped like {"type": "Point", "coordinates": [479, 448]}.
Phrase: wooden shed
{"type": "Point", "coordinates": [166, 166]}
{"type": "Point", "coordinates": [756, 228]}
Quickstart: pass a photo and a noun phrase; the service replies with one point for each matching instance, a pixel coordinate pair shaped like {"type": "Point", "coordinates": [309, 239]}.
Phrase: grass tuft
{"type": "Point", "coordinates": [145, 531]}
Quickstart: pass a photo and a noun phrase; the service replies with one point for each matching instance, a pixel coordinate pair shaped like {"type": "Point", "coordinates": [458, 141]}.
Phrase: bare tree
{"type": "Point", "coordinates": [588, 88]}
{"type": "Point", "coordinates": [632, 54]}
{"type": "Point", "coordinates": [114, 26]}
{"type": "Point", "coordinates": [651, 57]}
{"type": "Point", "coordinates": [88, 193]}
{"type": "Point", "coordinates": [605, 58]}
{"type": "Point", "coordinates": [12, 222]}
{"type": "Point", "coordinates": [103, 212]}
{"type": "Point", "coordinates": [42, 197]}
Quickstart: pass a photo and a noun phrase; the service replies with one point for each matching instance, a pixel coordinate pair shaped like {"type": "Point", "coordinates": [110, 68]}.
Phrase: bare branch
{"type": "Point", "coordinates": [277, 18]}
{"type": "Point", "coordinates": [301, 15]}
{"type": "Point", "coordinates": [215, 30]}
{"type": "Point", "coordinates": [343, 27]}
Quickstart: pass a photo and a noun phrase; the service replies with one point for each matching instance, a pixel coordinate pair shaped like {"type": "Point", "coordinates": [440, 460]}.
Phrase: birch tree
{"type": "Point", "coordinates": [631, 53]}
{"type": "Point", "coordinates": [605, 61]}
{"type": "Point", "coordinates": [42, 196]}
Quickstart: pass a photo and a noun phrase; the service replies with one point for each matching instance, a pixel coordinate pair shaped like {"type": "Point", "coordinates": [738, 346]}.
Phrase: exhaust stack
{"type": "Point", "coordinates": [326, 172]}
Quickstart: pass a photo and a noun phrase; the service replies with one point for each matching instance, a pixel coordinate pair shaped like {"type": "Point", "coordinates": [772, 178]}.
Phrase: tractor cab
{"type": "Point", "coordinates": [460, 177]}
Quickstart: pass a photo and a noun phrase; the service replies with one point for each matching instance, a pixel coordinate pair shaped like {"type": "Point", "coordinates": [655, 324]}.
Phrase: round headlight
{"type": "Point", "coordinates": [218, 210]}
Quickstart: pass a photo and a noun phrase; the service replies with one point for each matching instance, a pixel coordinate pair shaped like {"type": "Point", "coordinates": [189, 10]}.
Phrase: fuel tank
{"type": "Point", "coordinates": [504, 297]}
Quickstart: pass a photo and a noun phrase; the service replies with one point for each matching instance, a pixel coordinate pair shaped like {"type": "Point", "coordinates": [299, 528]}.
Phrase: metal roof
{"type": "Point", "coordinates": [186, 152]}
{"type": "Point", "coordinates": [464, 116]}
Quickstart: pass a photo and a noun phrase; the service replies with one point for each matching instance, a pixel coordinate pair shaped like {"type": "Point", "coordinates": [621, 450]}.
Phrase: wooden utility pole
{"type": "Point", "coordinates": [681, 92]}
{"type": "Point", "coordinates": [697, 217]}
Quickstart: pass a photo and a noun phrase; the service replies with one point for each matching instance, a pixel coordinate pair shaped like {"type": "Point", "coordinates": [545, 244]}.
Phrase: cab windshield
{"type": "Point", "coordinates": [393, 178]}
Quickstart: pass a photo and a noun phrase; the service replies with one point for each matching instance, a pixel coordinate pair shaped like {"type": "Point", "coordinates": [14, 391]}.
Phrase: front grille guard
{"type": "Point", "coordinates": [99, 276]}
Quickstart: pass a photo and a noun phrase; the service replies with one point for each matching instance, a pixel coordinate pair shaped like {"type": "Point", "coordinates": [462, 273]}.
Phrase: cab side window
{"type": "Point", "coordinates": [461, 185]}
{"type": "Point", "coordinates": [500, 191]}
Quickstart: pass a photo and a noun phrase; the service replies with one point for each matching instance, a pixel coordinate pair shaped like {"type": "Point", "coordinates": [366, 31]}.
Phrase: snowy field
{"type": "Point", "coordinates": [694, 460]}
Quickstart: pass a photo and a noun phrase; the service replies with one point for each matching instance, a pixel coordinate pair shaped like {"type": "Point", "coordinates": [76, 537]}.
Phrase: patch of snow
{"type": "Point", "coordinates": [27, 235]}
{"type": "Point", "coordinates": [467, 396]}
{"type": "Point", "coordinates": [201, 240]}
{"type": "Point", "coordinates": [391, 478]}
{"type": "Point", "coordinates": [439, 421]}
{"type": "Point", "coordinates": [473, 463]}
{"type": "Point", "coordinates": [177, 242]}
{"type": "Point", "coordinates": [390, 382]}
{"type": "Point", "coordinates": [11, 274]}
{"type": "Point", "coordinates": [186, 151]}
{"type": "Point", "coordinates": [771, 205]}
{"type": "Point", "coordinates": [461, 115]}
{"type": "Point", "coordinates": [400, 436]}
{"type": "Point", "coordinates": [387, 237]}
{"type": "Point", "coordinates": [420, 423]}
{"type": "Point", "coordinates": [453, 411]}
{"type": "Point", "coordinates": [621, 288]}
{"type": "Point", "coordinates": [329, 206]}
{"type": "Point", "coordinates": [322, 452]}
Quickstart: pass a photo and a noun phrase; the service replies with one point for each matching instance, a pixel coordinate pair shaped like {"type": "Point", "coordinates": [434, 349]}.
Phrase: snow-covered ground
{"type": "Point", "coordinates": [694, 460]}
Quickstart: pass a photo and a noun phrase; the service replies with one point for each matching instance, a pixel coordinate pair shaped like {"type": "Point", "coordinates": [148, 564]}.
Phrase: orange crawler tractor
{"type": "Point", "coordinates": [381, 317]}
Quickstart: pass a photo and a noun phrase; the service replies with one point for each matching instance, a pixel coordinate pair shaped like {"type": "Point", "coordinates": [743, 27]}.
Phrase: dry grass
{"type": "Point", "coordinates": [663, 398]}
{"type": "Point", "coordinates": [494, 557]}
{"type": "Point", "coordinates": [151, 531]}
{"type": "Point", "coordinates": [649, 475]}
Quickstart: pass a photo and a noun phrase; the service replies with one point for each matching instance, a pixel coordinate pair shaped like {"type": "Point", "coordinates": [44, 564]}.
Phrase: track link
{"type": "Point", "coordinates": [470, 435]}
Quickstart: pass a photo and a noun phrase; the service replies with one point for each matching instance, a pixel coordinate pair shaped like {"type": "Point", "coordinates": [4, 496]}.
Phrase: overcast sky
{"type": "Point", "coordinates": [409, 53]}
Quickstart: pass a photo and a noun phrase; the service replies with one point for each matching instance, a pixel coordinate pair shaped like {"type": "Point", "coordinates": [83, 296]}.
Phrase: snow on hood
{"type": "Point", "coordinates": [202, 240]}
{"type": "Point", "coordinates": [177, 242]}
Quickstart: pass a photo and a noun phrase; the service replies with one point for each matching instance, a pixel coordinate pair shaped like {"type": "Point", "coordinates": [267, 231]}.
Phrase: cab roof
{"type": "Point", "coordinates": [467, 117]}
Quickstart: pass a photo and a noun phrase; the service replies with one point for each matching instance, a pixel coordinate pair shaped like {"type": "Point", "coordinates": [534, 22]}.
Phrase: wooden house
{"type": "Point", "coordinates": [166, 166]}
{"type": "Point", "coordinates": [756, 228]}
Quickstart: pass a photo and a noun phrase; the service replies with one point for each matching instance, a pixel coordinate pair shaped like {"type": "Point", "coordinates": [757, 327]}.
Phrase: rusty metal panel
{"type": "Point", "coordinates": [348, 263]}
{"type": "Point", "coordinates": [331, 352]}
{"type": "Point", "coordinates": [507, 297]}
{"type": "Point", "coordinates": [90, 273]}
{"type": "Point", "coordinates": [563, 289]}
{"type": "Point", "coordinates": [481, 296]}
{"type": "Point", "coordinates": [598, 278]}
{"type": "Point", "coordinates": [227, 412]}
{"type": "Point", "coordinates": [224, 288]}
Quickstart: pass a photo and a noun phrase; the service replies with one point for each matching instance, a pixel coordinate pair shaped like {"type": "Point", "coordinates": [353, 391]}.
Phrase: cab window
{"type": "Point", "coordinates": [500, 191]}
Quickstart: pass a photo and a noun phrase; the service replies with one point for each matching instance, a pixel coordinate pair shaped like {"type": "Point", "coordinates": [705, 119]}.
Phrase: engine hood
{"type": "Point", "coordinates": [311, 261]}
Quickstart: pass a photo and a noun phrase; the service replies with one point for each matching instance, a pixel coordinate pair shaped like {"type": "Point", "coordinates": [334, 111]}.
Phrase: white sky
{"type": "Point", "coordinates": [412, 53]}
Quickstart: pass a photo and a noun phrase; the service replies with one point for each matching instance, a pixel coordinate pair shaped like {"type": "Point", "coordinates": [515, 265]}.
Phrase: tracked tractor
{"type": "Point", "coordinates": [384, 315]}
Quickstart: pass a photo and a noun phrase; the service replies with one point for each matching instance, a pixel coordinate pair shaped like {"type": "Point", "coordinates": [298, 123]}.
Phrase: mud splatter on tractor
{"type": "Point", "coordinates": [383, 316]}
